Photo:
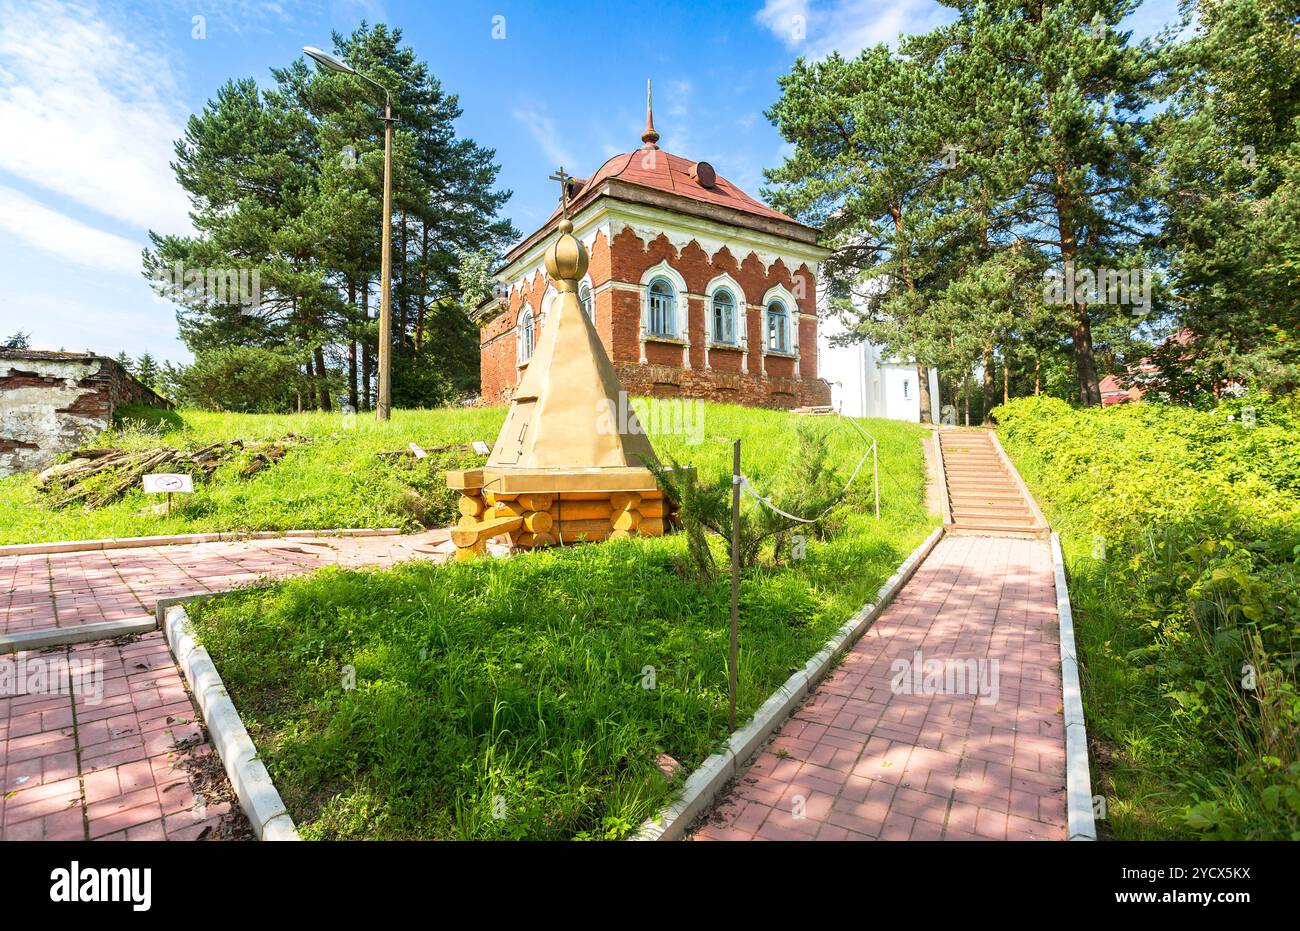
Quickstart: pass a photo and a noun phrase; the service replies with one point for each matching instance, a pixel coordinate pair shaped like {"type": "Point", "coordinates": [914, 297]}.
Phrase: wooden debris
{"type": "Point", "coordinates": [95, 477]}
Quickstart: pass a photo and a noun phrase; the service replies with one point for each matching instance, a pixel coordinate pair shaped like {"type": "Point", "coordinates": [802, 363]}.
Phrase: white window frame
{"type": "Point", "coordinates": [782, 346]}
{"type": "Point", "coordinates": [660, 290]}
{"type": "Point", "coordinates": [681, 306]}
{"type": "Point", "coordinates": [782, 294]}
{"type": "Point", "coordinates": [525, 335]}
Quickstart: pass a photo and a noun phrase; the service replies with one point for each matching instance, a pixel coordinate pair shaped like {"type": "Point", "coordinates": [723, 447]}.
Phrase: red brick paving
{"type": "Point", "coordinates": [68, 589]}
{"type": "Point", "coordinates": [87, 764]}
{"type": "Point", "coordinates": [100, 760]}
{"type": "Point", "coordinates": [863, 760]}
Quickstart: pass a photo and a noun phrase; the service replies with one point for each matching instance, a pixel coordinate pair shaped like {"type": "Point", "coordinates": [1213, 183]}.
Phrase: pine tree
{"type": "Point", "coordinates": [1014, 136]}
{"type": "Point", "coordinates": [1074, 90]}
{"type": "Point", "coordinates": [287, 182]}
{"type": "Point", "coordinates": [1230, 178]}
{"type": "Point", "coordinates": [868, 135]}
{"type": "Point", "coordinates": [147, 371]}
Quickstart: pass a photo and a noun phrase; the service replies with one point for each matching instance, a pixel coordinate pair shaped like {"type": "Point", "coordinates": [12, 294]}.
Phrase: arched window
{"type": "Point", "coordinates": [588, 305]}
{"type": "Point", "coordinates": [528, 335]}
{"type": "Point", "coordinates": [778, 331]}
{"type": "Point", "coordinates": [724, 317]}
{"type": "Point", "coordinates": [661, 319]}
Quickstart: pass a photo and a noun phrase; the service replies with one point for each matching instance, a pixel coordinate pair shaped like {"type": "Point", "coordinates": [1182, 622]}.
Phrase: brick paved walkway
{"type": "Point", "coordinates": [871, 756]}
{"type": "Point", "coordinates": [120, 755]}
{"type": "Point", "coordinates": [67, 589]}
{"type": "Point", "coordinates": [97, 757]}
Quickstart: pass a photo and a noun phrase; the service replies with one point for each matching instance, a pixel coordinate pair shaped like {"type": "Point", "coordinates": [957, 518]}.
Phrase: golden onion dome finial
{"type": "Point", "coordinates": [566, 258]}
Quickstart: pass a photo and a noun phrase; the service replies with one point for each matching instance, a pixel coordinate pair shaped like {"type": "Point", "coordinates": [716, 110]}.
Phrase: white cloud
{"type": "Point", "coordinates": [816, 29]}
{"type": "Point", "coordinates": [679, 98]}
{"type": "Point", "coordinates": [90, 113]}
{"type": "Point", "coordinates": [547, 136]}
{"type": "Point", "coordinates": [63, 236]}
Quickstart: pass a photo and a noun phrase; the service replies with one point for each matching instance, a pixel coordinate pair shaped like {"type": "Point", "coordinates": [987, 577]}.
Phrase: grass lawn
{"type": "Point", "coordinates": [529, 697]}
{"type": "Point", "coordinates": [337, 480]}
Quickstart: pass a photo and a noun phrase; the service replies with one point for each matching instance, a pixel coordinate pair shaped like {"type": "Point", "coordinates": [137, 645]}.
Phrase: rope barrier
{"type": "Point", "coordinates": [873, 448]}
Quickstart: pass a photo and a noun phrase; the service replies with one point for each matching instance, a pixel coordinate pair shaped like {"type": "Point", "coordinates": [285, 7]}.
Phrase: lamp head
{"type": "Point", "coordinates": [326, 60]}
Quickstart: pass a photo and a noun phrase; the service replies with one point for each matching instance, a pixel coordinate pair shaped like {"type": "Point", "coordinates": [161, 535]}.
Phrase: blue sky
{"type": "Point", "coordinates": [92, 96]}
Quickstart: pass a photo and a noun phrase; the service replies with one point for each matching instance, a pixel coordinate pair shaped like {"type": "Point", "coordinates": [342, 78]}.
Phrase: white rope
{"type": "Point", "coordinates": [749, 489]}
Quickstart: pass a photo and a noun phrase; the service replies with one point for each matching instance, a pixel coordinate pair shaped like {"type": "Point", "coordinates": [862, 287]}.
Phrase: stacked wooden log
{"type": "Point", "coordinates": [533, 520]}
{"type": "Point", "coordinates": [99, 476]}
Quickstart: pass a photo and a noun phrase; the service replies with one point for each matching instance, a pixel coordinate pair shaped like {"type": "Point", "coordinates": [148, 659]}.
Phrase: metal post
{"type": "Point", "coordinates": [732, 660]}
{"type": "Point", "coordinates": [382, 405]}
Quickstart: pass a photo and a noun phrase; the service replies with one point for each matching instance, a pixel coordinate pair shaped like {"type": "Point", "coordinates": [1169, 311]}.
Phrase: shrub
{"type": "Point", "coordinates": [247, 379]}
{"type": "Point", "coordinates": [1181, 528]}
{"type": "Point", "coordinates": [142, 418]}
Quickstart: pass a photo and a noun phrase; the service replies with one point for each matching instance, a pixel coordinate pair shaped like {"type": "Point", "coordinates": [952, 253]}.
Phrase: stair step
{"type": "Point", "coordinates": [970, 498]}
{"type": "Point", "coordinates": [963, 514]}
{"type": "Point", "coordinates": [1033, 533]}
{"type": "Point", "coordinates": [995, 523]}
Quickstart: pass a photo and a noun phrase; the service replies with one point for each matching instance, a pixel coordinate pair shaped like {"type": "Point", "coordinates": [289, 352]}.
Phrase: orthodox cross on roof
{"type": "Point", "coordinates": [564, 180]}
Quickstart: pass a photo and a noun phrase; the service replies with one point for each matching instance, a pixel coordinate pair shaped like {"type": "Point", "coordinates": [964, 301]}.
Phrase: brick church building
{"type": "Point", "coordinates": [696, 289]}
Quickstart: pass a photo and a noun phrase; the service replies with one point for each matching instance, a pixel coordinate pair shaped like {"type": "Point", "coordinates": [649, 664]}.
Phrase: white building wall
{"type": "Point", "coordinates": [864, 384]}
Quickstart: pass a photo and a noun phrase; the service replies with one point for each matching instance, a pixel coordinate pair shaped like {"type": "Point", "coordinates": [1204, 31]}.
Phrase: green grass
{"type": "Point", "coordinates": [1181, 535]}
{"type": "Point", "coordinates": [335, 481]}
{"type": "Point", "coordinates": [517, 688]}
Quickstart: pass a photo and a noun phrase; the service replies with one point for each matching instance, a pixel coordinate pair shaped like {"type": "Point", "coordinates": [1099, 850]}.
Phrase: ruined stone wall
{"type": "Point", "coordinates": [51, 402]}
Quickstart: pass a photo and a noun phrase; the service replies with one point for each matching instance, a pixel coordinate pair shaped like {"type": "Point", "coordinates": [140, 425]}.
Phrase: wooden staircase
{"type": "Point", "coordinates": [985, 495]}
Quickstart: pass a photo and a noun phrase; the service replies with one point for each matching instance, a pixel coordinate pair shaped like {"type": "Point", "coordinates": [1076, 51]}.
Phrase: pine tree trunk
{"type": "Point", "coordinates": [965, 394]}
{"type": "Point", "coordinates": [353, 401]}
{"type": "Point", "coordinates": [1085, 365]}
{"type": "Point", "coordinates": [923, 392]}
{"type": "Point", "coordinates": [323, 390]}
{"type": "Point", "coordinates": [987, 379]}
{"type": "Point", "coordinates": [1006, 378]}
{"type": "Point", "coordinates": [1080, 326]}
{"type": "Point", "coordinates": [367, 359]}
{"type": "Point", "coordinates": [424, 289]}
{"type": "Point", "coordinates": [403, 294]}
{"type": "Point", "coordinates": [1038, 374]}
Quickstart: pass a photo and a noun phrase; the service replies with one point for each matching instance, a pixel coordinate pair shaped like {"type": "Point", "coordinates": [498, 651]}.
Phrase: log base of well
{"type": "Point", "coordinates": [555, 517]}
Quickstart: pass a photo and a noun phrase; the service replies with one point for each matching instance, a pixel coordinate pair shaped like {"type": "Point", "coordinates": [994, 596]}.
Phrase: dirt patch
{"type": "Point", "coordinates": [208, 780]}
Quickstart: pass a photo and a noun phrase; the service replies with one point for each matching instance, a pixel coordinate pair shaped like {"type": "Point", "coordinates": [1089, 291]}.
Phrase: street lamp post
{"type": "Point", "coordinates": [383, 402]}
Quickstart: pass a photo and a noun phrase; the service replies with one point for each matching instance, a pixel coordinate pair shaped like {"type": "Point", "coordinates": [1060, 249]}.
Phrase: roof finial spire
{"type": "Point", "coordinates": [649, 137]}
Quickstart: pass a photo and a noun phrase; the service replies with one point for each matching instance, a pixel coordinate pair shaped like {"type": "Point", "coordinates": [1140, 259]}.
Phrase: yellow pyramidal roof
{"type": "Point", "coordinates": [565, 415]}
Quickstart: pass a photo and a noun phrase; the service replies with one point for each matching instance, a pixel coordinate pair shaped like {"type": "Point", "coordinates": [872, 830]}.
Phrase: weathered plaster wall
{"type": "Point", "coordinates": [53, 402]}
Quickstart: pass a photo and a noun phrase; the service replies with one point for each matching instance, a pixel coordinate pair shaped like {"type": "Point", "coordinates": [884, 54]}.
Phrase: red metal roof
{"type": "Point", "coordinates": [654, 168]}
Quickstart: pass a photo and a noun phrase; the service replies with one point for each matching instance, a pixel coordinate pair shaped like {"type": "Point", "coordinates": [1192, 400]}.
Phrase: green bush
{"type": "Point", "coordinates": [142, 417]}
{"type": "Point", "coordinates": [248, 379]}
{"type": "Point", "coordinates": [1182, 534]}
